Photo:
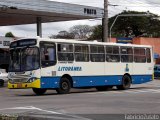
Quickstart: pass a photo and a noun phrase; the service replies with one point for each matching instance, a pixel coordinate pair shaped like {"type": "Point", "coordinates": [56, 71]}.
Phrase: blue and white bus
{"type": "Point", "coordinates": [60, 64]}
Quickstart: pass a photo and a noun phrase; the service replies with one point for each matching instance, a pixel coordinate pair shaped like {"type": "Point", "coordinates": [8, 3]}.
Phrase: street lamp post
{"type": "Point", "coordinates": [123, 15]}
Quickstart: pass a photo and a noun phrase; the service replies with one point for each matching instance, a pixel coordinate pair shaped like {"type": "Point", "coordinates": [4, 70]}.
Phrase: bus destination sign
{"type": "Point", "coordinates": [24, 42]}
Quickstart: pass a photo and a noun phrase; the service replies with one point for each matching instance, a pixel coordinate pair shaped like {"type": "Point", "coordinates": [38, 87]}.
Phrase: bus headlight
{"type": "Point", "coordinates": [31, 80]}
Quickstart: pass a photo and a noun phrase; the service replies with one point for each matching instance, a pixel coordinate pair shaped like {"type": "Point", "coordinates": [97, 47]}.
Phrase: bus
{"type": "Point", "coordinates": [42, 64]}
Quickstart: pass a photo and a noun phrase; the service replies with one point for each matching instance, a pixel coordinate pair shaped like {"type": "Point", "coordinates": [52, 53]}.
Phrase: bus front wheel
{"type": "Point", "coordinates": [39, 91]}
{"type": "Point", "coordinates": [126, 83]}
{"type": "Point", "coordinates": [64, 86]}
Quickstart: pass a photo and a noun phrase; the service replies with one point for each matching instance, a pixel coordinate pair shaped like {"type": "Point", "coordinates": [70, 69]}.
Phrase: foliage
{"type": "Point", "coordinates": [9, 34]}
{"type": "Point", "coordinates": [134, 26]}
{"type": "Point", "coordinates": [125, 26]}
{"type": "Point", "coordinates": [81, 31]}
{"type": "Point", "coordinates": [75, 32]}
{"type": "Point", "coordinates": [63, 35]}
{"type": "Point", "coordinates": [97, 33]}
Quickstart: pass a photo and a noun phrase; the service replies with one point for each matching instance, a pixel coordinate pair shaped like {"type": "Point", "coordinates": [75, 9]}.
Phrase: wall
{"type": "Point", "coordinates": [155, 42]}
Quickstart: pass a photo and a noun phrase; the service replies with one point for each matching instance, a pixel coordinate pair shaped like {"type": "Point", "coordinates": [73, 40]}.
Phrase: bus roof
{"type": "Point", "coordinates": [94, 42]}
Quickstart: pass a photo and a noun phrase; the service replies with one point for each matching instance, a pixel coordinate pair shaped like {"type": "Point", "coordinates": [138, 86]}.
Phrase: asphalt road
{"type": "Point", "coordinates": [87, 104]}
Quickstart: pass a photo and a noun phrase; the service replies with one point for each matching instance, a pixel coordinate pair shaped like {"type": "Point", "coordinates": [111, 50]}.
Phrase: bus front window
{"type": "Point", "coordinates": [24, 59]}
{"type": "Point", "coordinates": [15, 60]}
{"type": "Point", "coordinates": [30, 59]}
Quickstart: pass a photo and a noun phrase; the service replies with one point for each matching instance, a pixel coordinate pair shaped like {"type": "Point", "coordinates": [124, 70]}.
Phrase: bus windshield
{"type": "Point", "coordinates": [24, 59]}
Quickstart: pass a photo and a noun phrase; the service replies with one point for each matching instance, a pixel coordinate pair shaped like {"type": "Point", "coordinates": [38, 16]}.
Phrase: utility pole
{"type": "Point", "coordinates": [105, 22]}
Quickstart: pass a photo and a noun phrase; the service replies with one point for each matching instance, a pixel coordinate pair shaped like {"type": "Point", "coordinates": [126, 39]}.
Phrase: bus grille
{"type": "Point", "coordinates": [20, 78]}
{"type": "Point", "coordinates": [23, 80]}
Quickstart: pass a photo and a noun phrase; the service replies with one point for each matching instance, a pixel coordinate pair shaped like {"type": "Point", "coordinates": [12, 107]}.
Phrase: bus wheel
{"type": "Point", "coordinates": [1, 83]}
{"type": "Point", "coordinates": [39, 91]}
{"type": "Point", "coordinates": [126, 83]}
{"type": "Point", "coordinates": [64, 86]}
{"type": "Point", "coordinates": [104, 88]}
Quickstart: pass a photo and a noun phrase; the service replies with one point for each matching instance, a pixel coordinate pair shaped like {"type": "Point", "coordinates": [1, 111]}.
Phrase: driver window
{"type": "Point", "coordinates": [48, 55]}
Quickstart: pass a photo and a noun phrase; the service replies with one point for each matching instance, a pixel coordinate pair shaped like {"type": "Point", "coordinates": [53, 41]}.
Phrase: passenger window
{"type": "Point", "coordinates": [139, 55]}
{"type": "Point", "coordinates": [65, 52]}
{"type": "Point", "coordinates": [97, 53]}
{"type": "Point", "coordinates": [81, 53]}
{"type": "Point", "coordinates": [126, 54]}
{"type": "Point", "coordinates": [112, 54]}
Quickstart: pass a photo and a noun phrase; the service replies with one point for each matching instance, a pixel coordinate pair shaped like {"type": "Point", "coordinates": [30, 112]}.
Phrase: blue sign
{"type": "Point", "coordinates": [124, 40]}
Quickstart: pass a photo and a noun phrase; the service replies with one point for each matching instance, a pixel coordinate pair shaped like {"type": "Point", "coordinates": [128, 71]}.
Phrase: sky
{"type": "Point", "coordinates": [115, 7]}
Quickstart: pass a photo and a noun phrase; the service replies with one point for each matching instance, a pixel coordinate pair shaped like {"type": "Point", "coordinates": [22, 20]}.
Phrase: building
{"type": "Point", "coordinates": [4, 51]}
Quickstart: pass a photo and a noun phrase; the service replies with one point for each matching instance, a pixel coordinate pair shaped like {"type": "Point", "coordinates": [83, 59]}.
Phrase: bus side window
{"type": "Point", "coordinates": [126, 54]}
{"type": "Point", "coordinates": [48, 54]}
{"type": "Point", "coordinates": [81, 53]}
{"type": "Point", "coordinates": [65, 52]}
{"type": "Point", "coordinates": [112, 54]}
{"type": "Point", "coordinates": [139, 55]}
{"type": "Point", "coordinates": [97, 53]}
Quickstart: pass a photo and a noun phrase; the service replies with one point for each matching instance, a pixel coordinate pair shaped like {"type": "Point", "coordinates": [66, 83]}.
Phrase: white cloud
{"type": "Point", "coordinates": [96, 3]}
{"type": "Point", "coordinates": [54, 28]}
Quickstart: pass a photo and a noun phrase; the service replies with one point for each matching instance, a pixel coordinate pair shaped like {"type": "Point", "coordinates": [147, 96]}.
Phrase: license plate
{"type": "Point", "coordinates": [19, 85]}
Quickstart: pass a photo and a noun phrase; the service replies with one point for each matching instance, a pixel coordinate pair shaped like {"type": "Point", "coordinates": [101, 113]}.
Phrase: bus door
{"type": "Point", "coordinates": [48, 59]}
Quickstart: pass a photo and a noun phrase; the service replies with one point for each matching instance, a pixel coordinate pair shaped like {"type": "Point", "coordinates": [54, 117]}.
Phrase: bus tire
{"type": "Point", "coordinates": [1, 82]}
{"type": "Point", "coordinates": [126, 83]}
{"type": "Point", "coordinates": [104, 88]}
{"type": "Point", "coordinates": [64, 86]}
{"type": "Point", "coordinates": [39, 91]}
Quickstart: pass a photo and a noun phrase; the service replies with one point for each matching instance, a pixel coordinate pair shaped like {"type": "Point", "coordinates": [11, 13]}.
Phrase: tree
{"type": "Point", "coordinates": [9, 34]}
{"type": "Point", "coordinates": [133, 26]}
{"type": "Point", "coordinates": [81, 31]}
{"type": "Point", "coordinates": [63, 35]}
{"type": "Point", "coordinates": [97, 33]}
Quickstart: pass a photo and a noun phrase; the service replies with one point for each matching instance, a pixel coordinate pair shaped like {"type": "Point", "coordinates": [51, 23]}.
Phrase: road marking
{"type": "Point", "coordinates": [155, 91]}
{"type": "Point", "coordinates": [30, 108]}
{"type": "Point", "coordinates": [47, 111]}
{"type": "Point", "coordinates": [134, 91]}
{"type": "Point", "coordinates": [142, 91]}
{"type": "Point", "coordinates": [115, 91]}
{"type": "Point", "coordinates": [128, 91]}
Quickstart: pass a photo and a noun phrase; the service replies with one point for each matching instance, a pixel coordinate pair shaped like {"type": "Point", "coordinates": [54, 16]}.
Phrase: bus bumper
{"type": "Point", "coordinates": [35, 84]}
